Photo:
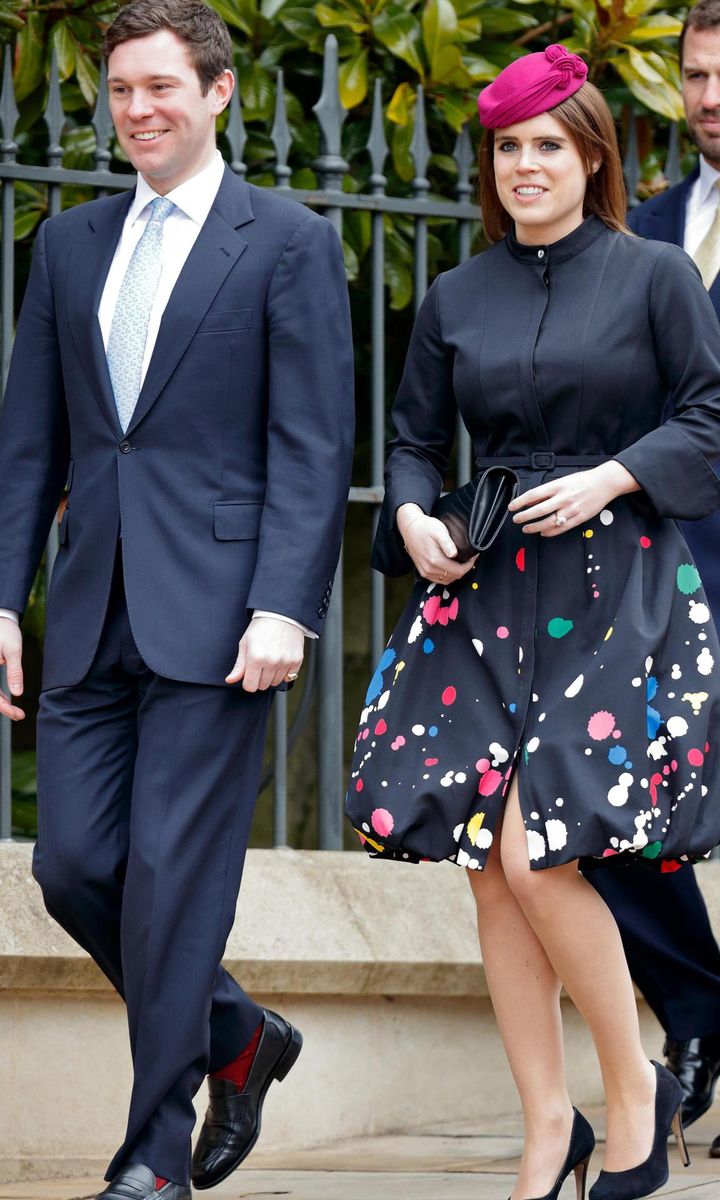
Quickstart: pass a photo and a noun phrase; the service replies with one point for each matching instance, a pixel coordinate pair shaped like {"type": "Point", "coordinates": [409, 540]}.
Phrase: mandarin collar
{"type": "Point", "coordinates": [557, 252]}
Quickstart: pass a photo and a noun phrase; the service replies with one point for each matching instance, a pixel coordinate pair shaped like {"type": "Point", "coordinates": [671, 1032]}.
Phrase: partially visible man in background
{"type": "Point", "coordinates": [672, 952]}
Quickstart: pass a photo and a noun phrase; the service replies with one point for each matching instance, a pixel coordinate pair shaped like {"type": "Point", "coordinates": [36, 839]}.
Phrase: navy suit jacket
{"type": "Point", "coordinates": [663, 219]}
{"type": "Point", "coordinates": [229, 487]}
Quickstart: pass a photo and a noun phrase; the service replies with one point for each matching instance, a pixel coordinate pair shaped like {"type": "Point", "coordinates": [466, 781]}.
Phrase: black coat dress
{"type": "Point", "coordinates": [587, 661]}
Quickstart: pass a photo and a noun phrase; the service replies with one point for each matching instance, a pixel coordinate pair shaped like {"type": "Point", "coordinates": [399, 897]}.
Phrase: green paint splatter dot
{"type": "Point", "coordinates": [558, 627]}
{"type": "Point", "coordinates": [688, 580]}
{"type": "Point", "coordinates": [652, 850]}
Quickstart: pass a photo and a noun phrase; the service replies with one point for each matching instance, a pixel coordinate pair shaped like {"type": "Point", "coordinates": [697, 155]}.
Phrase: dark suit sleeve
{"type": "Point", "coordinates": [310, 426]}
{"type": "Point", "coordinates": [34, 437]}
{"type": "Point", "coordinates": [424, 416]}
{"type": "Point", "coordinates": [673, 463]}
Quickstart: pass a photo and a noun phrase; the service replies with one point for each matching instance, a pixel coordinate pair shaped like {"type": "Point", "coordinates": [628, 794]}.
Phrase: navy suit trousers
{"type": "Point", "coordinates": [146, 790]}
{"type": "Point", "coordinates": [671, 951]}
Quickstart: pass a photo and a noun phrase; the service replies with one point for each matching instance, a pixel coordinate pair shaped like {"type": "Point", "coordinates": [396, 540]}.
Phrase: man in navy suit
{"type": "Point", "coordinates": [183, 365]}
{"type": "Point", "coordinates": [673, 955]}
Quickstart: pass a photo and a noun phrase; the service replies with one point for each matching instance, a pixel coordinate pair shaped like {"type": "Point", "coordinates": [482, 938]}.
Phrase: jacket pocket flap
{"type": "Point", "coordinates": [225, 322]}
{"type": "Point", "coordinates": [236, 520]}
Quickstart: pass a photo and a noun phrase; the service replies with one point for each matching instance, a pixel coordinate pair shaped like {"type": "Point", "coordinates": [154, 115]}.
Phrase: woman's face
{"type": "Point", "coordinates": [540, 178]}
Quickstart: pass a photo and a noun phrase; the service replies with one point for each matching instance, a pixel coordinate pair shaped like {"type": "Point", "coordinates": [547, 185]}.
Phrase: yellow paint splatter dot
{"type": "Point", "coordinates": [588, 532]}
{"type": "Point", "coordinates": [475, 587]}
{"type": "Point", "coordinates": [474, 826]}
{"type": "Point", "coordinates": [400, 667]}
{"type": "Point", "coordinates": [609, 634]}
{"type": "Point", "coordinates": [364, 838]}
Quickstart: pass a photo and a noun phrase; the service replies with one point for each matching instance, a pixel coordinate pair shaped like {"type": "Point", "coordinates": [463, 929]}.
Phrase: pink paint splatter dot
{"type": "Point", "coordinates": [381, 727]}
{"type": "Point", "coordinates": [449, 695]}
{"type": "Point", "coordinates": [482, 765]}
{"type": "Point", "coordinates": [601, 725]}
{"type": "Point", "coordinates": [382, 821]}
{"type": "Point", "coordinates": [399, 741]}
{"type": "Point", "coordinates": [520, 559]}
{"type": "Point", "coordinates": [707, 747]}
{"type": "Point", "coordinates": [617, 733]}
{"type": "Point", "coordinates": [596, 595]}
{"type": "Point", "coordinates": [669, 865]}
{"type": "Point", "coordinates": [359, 785]}
{"type": "Point", "coordinates": [646, 543]}
{"type": "Point", "coordinates": [431, 762]}
{"type": "Point", "coordinates": [454, 609]}
{"type": "Point", "coordinates": [673, 765]}
{"type": "Point", "coordinates": [696, 758]}
{"type": "Point", "coordinates": [666, 770]}
{"type": "Point", "coordinates": [654, 781]}
{"type": "Point", "coordinates": [430, 611]}
{"type": "Point", "coordinates": [365, 734]}
{"type": "Point", "coordinates": [608, 853]}
{"type": "Point", "coordinates": [503, 631]}
{"type": "Point", "coordinates": [490, 783]}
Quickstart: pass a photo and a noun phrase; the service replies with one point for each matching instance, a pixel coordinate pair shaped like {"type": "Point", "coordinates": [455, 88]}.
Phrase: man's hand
{"type": "Point", "coordinates": [268, 650]}
{"type": "Point", "coordinates": [430, 546]}
{"type": "Point", "coordinates": [11, 656]}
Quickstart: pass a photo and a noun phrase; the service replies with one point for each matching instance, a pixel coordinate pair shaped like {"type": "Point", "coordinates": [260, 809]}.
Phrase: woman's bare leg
{"type": "Point", "coordinates": [525, 993]}
{"type": "Point", "coordinates": [582, 942]}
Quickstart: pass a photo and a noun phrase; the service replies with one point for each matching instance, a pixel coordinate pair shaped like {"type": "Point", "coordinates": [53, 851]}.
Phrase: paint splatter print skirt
{"type": "Point", "coordinates": [587, 661]}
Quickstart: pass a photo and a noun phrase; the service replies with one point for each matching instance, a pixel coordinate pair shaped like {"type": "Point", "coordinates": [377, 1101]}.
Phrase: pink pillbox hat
{"type": "Point", "coordinates": [531, 85]}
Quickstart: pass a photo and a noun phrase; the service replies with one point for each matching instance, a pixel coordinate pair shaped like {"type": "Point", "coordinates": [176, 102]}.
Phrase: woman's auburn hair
{"type": "Point", "coordinates": [589, 122]}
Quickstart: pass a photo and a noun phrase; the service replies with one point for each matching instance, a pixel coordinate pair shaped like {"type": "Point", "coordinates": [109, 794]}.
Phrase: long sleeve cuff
{"type": "Point", "coordinates": [10, 614]}
{"type": "Point", "coordinates": [259, 612]}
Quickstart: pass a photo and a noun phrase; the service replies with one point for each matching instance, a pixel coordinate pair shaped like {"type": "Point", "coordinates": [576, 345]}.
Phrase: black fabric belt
{"type": "Point", "coordinates": [542, 460]}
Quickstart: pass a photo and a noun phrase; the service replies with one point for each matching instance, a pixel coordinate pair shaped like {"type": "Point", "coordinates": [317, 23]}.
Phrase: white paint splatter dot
{"type": "Point", "coordinates": [677, 727]}
{"type": "Point", "coordinates": [574, 687]}
{"type": "Point", "coordinates": [536, 845]}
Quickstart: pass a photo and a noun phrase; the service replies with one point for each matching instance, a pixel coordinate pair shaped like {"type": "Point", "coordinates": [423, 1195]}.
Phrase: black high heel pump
{"type": "Point", "coordinates": [582, 1144]}
{"type": "Point", "coordinates": [650, 1175]}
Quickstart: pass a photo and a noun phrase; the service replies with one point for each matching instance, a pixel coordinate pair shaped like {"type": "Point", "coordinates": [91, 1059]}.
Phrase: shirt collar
{"type": "Point", "coordinates": [557, 252]}
{"type": "Point", "coordinates": [195, 197]}
{"type": "Point", "coordinates": [706, 180]}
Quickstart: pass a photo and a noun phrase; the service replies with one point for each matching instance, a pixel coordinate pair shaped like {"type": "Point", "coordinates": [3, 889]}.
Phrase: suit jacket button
{"type": "Point", "coordinates": [125, 447]}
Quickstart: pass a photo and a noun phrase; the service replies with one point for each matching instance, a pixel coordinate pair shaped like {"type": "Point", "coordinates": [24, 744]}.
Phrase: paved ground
{"type": "Point", "coordinates": [439, 1162]}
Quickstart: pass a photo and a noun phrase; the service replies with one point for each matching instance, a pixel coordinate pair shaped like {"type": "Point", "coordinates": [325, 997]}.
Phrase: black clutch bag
{"type": "Point", "coordinates": [474, 514]}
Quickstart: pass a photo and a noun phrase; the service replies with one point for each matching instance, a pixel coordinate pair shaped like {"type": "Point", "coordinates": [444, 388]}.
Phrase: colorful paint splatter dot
{"type": "Point", "coordinates": [382, 821]}
{"type": "Point", "coordinates": [695, 757]}
{"type": "Point", "coordinates": [601, 725]}
{"type": "Point", "coordinates": [688, 579]}
{"type": "Point", "coordinates": [520, 559]}
{"type": "Point", "coordinates": [432, 731]}
{"type": "Point", "coordinates": [645, 542]}
{"type": "Point", "coordinates": [558, 627]}
{"type": "Point", "coordinates": [449, 696]}
{"type": "Point", "coordinates": [428, 646]}
{"type": "Point", "coordinates": [503, 631]}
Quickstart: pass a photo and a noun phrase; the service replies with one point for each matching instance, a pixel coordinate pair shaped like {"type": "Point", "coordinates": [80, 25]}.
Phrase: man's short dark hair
{"type": "Point", "coordinates": [204, 32]}
{"type": "Point", "coordinates": [704, 15]}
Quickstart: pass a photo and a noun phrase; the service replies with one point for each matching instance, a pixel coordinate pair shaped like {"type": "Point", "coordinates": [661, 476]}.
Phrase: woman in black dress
{"type": "Point", "coordinates": [556, 698]}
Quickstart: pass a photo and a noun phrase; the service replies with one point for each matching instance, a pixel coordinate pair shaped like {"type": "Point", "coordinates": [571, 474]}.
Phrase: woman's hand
{"type": "Point", "coordinates": [574, 498]}
{"type": "Point", "coordinates": [430, 546]}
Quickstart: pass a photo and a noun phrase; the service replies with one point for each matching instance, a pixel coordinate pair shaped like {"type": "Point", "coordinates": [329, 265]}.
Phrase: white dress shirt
{"type": "Point", "coordinates": [701, 206]}
{"type": "Point", "coordinates": [193, 200]}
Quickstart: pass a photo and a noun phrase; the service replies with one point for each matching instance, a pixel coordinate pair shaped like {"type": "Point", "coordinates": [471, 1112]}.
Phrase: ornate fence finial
{"type": "Point", "coordinates": [9, 112]}
{"type": "Point", "coordinates": [280, 134]}
{"type": "Point", "coordinates": [102, 123]}
{"type": "Point", "coordinates": [54, 116]}
{"type": "Point", "coordinates": [420, 148]}
{"type": "Point", "coordinates": [377, 142]}
{"type": "Point", "coordinates": [331, 114]}
{"type": "Point", "coordinates": [463, 155]}
{"type": "Point", "coordinates": [236, 133]}
{"type": "Point", "coordinates": [631, 164]}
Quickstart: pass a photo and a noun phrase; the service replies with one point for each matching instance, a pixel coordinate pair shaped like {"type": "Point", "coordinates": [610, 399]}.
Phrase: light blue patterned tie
{"type": "Point", "coordinates": [129, 328]}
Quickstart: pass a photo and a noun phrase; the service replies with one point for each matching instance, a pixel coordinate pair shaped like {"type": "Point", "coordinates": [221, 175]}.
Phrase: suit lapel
{"type": "Point", "coordinates": [216, 250]}
{"type": "Point", "coordinates": [670, 223]}
{"type": "Point", "coordinates": [91, 263]}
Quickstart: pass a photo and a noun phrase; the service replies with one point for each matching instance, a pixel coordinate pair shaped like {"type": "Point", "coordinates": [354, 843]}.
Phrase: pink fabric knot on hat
{"type": "Point", "coordinates": [531, 85]}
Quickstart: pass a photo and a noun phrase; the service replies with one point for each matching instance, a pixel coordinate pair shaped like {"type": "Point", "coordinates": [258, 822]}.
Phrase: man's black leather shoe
{"type": "Point", "coordinates": [232, 1121]}
{"type": "Point", "coordinates": [136, 1182]}
{"type": "Point", "coordinates": [696, 1063]}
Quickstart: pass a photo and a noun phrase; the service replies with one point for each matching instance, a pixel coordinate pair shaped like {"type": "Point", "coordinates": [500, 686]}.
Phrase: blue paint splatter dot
{"type": "Point", "coordinates": [433, 731]}
{"type": "Point", "coordinates": [653, 722]}
{"type": "Point", "coordinates": [616, 755]}
{"type": "Point", "coordinates": [375, 686]}
{"type": "Point", "coordinates": [652, 687]}
{"type": "Point", "coordinates": [628, 766]}
{"type": "Point", "coordinates": [428, 645]}
{"type": "Point", "coordinates": [512, 707]}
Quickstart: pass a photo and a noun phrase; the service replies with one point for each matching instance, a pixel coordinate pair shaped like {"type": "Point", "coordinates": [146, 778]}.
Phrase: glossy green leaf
{"type": "Point", "coordinates": [239, 14]}
{"type": "Point", "coordinates": [63, 43]}
{"type": "Point", "coordinates": [271, 8]}
{"type": "Point", "coordinates": [663, 100]}
{"type": "Point", "coordinates": [447, 68]}
{"type": "Point", "coordinates": [88, 75]}
{"type": "Point", "coordinates": [400, 33]}
{"type": "Point", "coordinates": [505, 20]}
{"type": "Point", "coordinates": [400, 148]}
{"type": "Point", "coordinates": [353, 79]}
{"type": "Point", "coordinates": [29, 70]}
{"type": "Point", "coordinates": [660, 25]}
{"type": "Point", "coordinates": [257, 92]}
{"type": "Point", "coordinates": [334, 18]}
{"type": "Point", "coordinates": [439, 26]}
{"type": "Point", "coordinates": [402, 104]}
{"type": "Point", "coordinates": [352, 265]}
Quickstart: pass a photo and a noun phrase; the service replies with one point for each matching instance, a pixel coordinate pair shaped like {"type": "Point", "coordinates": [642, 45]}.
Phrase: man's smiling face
{"type": "Point", "coordinates": [164, 123]}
